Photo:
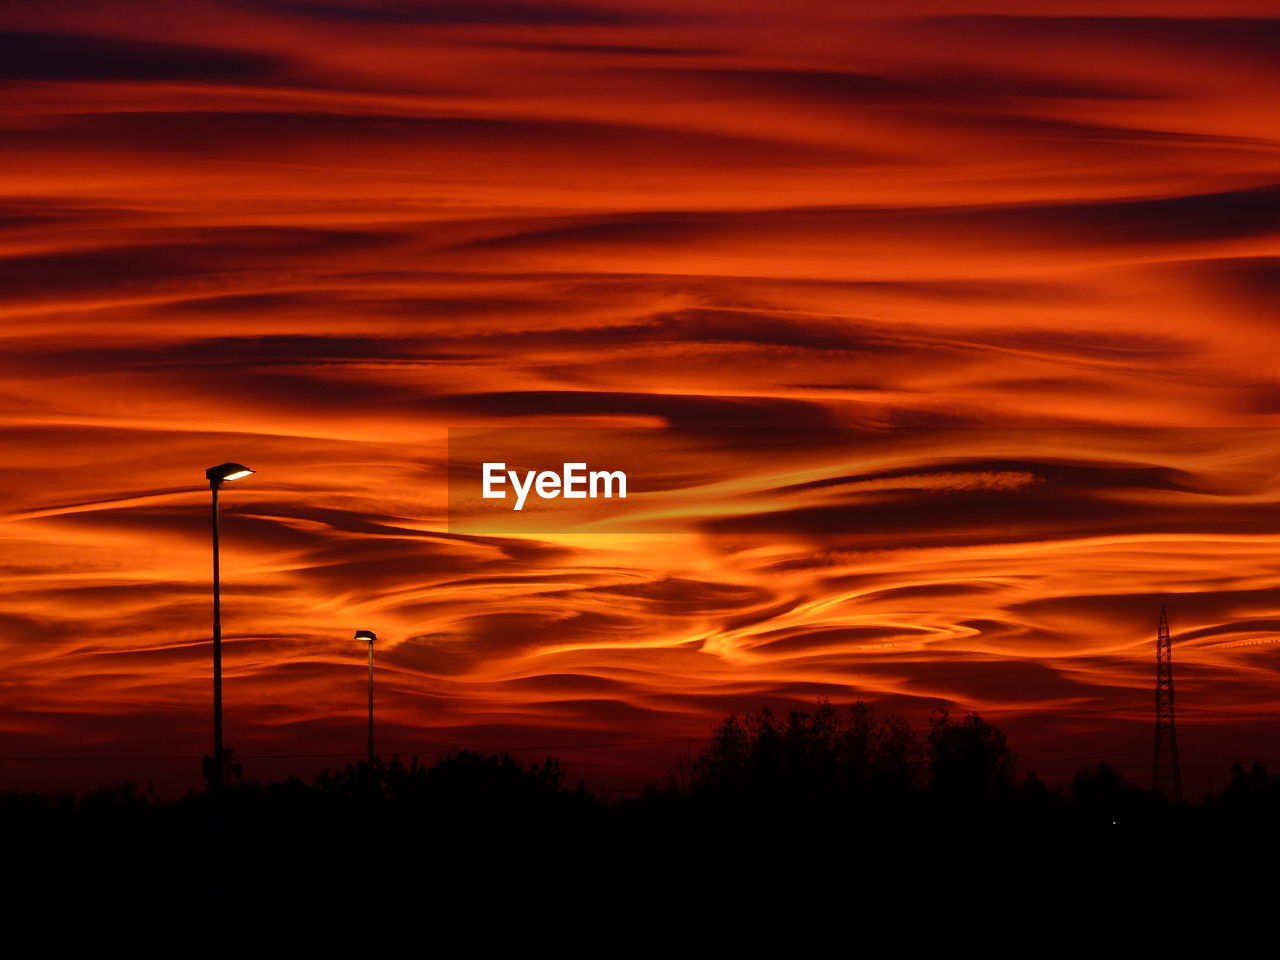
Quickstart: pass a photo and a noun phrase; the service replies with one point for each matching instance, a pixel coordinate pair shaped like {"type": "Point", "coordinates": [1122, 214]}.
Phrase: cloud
{"type": "Point", "coordinates": [70, 57]}
{"type": "Point", "coordinates": [316, 237]}
{"type": "Point", "coordinates": [1229, 37]}
{"type": "Point", "coordinates": [936, 90]}
{"type": "Point", "coordinates": [460, 12]}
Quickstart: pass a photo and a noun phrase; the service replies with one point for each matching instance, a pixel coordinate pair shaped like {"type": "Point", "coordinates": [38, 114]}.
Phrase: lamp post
{"type": "Point", "coordinates": [370, 636]}
{"type": "Point", "coordinates": [216, 476]}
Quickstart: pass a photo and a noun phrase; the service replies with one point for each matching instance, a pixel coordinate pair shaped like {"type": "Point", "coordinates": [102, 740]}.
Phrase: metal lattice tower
{"type": "Point", "coordinates": [1166, 777]}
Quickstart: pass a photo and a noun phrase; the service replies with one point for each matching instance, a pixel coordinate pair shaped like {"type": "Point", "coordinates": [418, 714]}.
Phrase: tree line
{"type": "Point", "coordinates": [829, 777]}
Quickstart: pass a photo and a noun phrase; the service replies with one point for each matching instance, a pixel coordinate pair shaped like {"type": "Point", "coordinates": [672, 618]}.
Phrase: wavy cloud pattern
{"type": "Point", "coordinates": [315, 237]}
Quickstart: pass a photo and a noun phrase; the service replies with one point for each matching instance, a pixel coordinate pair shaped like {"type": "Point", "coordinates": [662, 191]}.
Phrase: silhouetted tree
{"type": "Point", "coordinates": [896, 768]}
{"type": "Point", "coordinates": [971, 768]}
{"type": "Point", "coordinates": [1101, 795]}
{"type": "Point", "coordinates": [1252, 793]}
{"type": "Point", "coordinates": [821, 762]}
{"type": "Point", "coordinates": [232, 771]}
{"type": "Point", "coordinates": [1037, 800]}
{"type": "Point", "coordinates": [827, 779]}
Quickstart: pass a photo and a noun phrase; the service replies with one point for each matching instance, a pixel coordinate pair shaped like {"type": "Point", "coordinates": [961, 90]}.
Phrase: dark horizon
{"type": "Point", "coordinates": [615, 771]}
{"type": "Point", "coordinates": [804, 788]}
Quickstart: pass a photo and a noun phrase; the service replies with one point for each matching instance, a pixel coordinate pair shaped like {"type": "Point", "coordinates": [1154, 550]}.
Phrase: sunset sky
{"type": "Point", "coordinates": [958, 317]}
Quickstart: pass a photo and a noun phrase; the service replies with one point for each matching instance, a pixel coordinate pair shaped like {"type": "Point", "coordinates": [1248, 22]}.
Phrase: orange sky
{"type": "Point", "coordinates": [313, 237]}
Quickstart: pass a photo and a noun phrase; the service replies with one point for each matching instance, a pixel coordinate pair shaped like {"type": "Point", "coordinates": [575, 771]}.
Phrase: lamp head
{"type": "Point", "coordinates": [366, 635]}
{"type": "Point", "coordinates": [227, 471]}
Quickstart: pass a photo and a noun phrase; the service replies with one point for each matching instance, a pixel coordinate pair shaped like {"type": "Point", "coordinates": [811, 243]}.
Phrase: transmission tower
{"type": "Point", "coordinates": [1166, 777]}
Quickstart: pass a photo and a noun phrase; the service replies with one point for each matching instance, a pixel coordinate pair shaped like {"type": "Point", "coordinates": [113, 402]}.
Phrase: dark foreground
{"type": "Point", "coordinates": [817, 786]}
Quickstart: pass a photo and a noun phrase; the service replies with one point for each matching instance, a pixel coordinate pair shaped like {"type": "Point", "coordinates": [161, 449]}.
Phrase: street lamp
{"type": "Point", "coordinates": [216, 476]}
{"type": "Point", "coordinates": [370, 636]}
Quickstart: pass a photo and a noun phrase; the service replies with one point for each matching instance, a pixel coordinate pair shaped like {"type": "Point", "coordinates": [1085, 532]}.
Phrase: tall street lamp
{"type": "Point", "coordinates": [216, 476]}
{"type": "Point", "coordinates": [370, 636]}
